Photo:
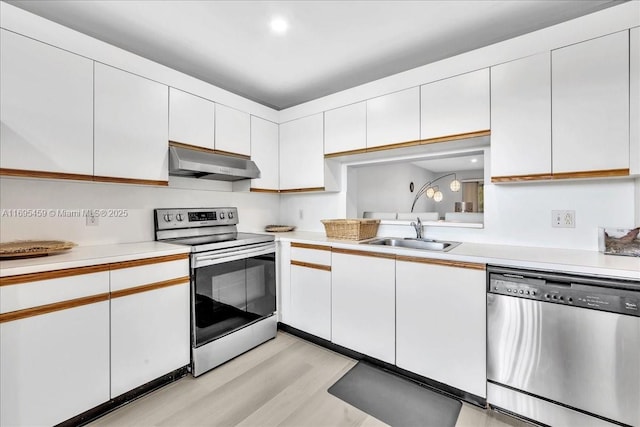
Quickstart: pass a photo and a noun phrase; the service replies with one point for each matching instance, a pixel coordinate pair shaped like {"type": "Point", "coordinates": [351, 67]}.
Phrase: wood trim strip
{"type": "Point", "coordinates": [345, 153]}
{"type": "Point", "coordinates": [119, 180]}
{"type": "Point", "coordinates": [149, 287]}
{"type": "Point", "coordinates": [43, 174]}
{"type": "Point", "coordinates": [455, 137]}
{"type": "Point", "coordinates": [592, 174]}
{"type": "Point", "coordinates": [147, 261]}
{"type": "Point", "coordinates": [207, 150]}
{"type": "Point", "coordinates": [78, 177]}
{"type": "Point", "coordinates": [302, 190]}
{"type": "Point", "coordinates": [56, 274]}
{"type": "Point", "coordinates": [363, 253]}
{"type": "Point", "coordinates": [311, 265]}
{"type": "Point", "coordinates": [191, 147]}
{"type": "Point", "coordinates": [444, 262]}
{"type": "Point", "coordinates": [229, 153]}
{"type": "Point", "coordinates": [521, 178]}
{"type": "Point", "coordinates": [50, 308]}
{"type": "Point", "coordinates": [53, 274]}
{"type": "Point", "coordinates": [310, 246]}
{"type": "Point", "coordinates": [263, 190]}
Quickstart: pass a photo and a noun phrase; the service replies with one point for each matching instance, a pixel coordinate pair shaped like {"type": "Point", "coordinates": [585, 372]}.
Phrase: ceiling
{"type": "Point", "coordinates": [330, 45]}
{"type": "Point", "coordinates": [453, 163]}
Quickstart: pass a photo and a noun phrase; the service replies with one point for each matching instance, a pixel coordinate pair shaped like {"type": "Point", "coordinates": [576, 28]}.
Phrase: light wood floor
{"type": "Point", "coordinates": [283, 382]}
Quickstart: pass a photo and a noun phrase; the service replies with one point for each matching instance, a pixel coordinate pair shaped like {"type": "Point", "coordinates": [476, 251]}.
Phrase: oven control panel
{"type": "Point", "coordinates": [167, 219]}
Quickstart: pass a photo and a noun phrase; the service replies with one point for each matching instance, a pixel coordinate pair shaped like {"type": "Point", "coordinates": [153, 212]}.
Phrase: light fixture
{"type": "Point", "coordinates": [433, 192]}
{"type": "Point", "coordinates": [474, 160]}
{"type": "Point", "coordinates": [430, 192]}
{"type": "Point", "coordinates": [279, 25]}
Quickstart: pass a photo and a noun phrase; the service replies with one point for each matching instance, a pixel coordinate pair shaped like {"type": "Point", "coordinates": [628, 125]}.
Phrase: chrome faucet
{"type": "Point", "coordinates": [418, 227]}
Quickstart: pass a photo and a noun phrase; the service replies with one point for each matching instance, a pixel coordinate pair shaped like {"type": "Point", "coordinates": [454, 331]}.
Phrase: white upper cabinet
{"type": "Point", "coordinates": [233, 131]}
{"type": "Point", "coordinates": [393, 118]}
{"type": "Point", "coordinates": [634, 99]}
{"type": "Point", "coordinates": [345, 128]}
{"type": "Point", "coordinates": [455, 105]}
{"type": "Point", "coordinates": [46, 107]}
{"type": "Point", "coordinates": [521, 117]}
{"type": "Point", "coordinates": [191, 119]}
{"type": "Point", "coordinates": [590, 98]}
{"type": "Point", "coordinates": [264, 152]}
{"type": "Point", "coordinates": [131, 122]}
{"type": "Point", "coordinates": [301, 153]}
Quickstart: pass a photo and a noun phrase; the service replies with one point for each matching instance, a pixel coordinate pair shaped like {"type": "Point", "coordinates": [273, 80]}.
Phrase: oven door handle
{"type": "Point", "coordinates": [234, 255]}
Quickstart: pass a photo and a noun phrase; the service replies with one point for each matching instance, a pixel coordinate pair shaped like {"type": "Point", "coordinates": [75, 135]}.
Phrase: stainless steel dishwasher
{"type": "Point", "coordinates": [563, 350]}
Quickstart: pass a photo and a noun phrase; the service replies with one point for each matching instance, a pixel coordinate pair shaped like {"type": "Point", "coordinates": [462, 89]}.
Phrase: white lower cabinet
{"type": "Point", "coordinates": [54, 354]}
{"type": "Point", "coordinates": [311, 289]}
{"type": "Point", "coordinates": [441, 322]}
{"type": "Point", "coordinates": [149, 323]}
{"type": "Point", "coordinates": [362, 302]}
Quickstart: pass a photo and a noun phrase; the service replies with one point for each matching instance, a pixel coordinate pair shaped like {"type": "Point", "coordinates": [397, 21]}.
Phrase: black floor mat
{"type": "Point", "coordinates": [395, 400]}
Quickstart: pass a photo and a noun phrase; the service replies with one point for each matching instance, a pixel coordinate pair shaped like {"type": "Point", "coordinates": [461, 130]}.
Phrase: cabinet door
{"type": "Point", "coordinates": [345, 128]}
{"type": "Point", "coordinates": [393, 118]}
{"type": "Point", "coordinates": [311, 300]}
{"type": "Point", "coordinates": [264, 152]}
{"type": "Point", "coordinates": [634, 101]}
{"type": "Point", "coordinates": [301, 153]}
{"type": "Point", "coordinates": [521, 117]}
{"type": "Point", "coordinates": [311, 289]}
{"type": "Point", "coordinates": [455, 105]}
{"type": "Point", "coordinates": [233, 131]}
{"type": "Point", "coordinates": [150, 323]}
{"type": "Point", "coordinates": [54, 348]}
{"type": "Point", "coordinates": [46, 107]}
{"type": "Point", "coordinates": [590, 105]}
{"type": "Point", "coordinates": [131, 122]}
{"type": "Point", "coordinates": [441, 324]}
{"type": "Point", "coordinates": [191, 119]}
{"type": "Point", "coordinates": [362, 304]}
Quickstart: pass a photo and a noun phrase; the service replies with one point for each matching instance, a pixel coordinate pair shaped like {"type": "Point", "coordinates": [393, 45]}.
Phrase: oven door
{"type": "Point", "coordinates": [231, 288]}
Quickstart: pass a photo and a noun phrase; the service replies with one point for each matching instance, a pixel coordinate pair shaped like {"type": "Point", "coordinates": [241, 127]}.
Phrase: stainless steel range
{"type": "Point", "coordinates": [233, 282]}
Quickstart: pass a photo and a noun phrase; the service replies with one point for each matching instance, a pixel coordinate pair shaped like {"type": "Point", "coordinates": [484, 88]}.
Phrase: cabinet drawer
{"type": "Point", "coordinates": [20, 296]}
{"type": "Point", "coordinates": [153, 272]}
{"type": "Point", "coordinates": [314, 254]}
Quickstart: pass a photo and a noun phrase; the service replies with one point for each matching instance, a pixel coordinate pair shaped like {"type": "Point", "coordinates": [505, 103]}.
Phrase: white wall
{"type": "Point", "coordinates": [255, 209]}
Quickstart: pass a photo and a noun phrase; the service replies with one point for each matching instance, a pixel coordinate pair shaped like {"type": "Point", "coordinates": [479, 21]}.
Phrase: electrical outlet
{"type": "Point", "coordinates": [563, 219]}
{"type": "Point", "coordinates": [92, 220]}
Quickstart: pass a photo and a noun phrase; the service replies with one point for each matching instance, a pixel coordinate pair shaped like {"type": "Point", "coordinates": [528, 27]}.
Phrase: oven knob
{"type": "Point", "coordinates": [221, 215]}
{"type": "Point", "coordinates": [230, 215]}
{"type": "Point", "coordinates": [168, 217]}
{"type": "Point", "coordinates": [179, 217]}
{"type": "Point", "coordinates": [546, 296]}
{"type": "Point", "coordinates": [554, 297]}
{"type": "Point", "coordinates": [561, 298]}
{"type": "Point", "coordinates": [570, 299]}
{"type": "Point", "coordinates": [533, 293]}
{"type": "Point", "coordinates": [521, 291]}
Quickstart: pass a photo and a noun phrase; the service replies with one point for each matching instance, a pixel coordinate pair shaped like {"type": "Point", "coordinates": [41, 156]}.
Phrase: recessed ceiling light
{"type": "Point", "coordinates": [279, 25]}
{"type": "Point", "coordinates": [474, 160]}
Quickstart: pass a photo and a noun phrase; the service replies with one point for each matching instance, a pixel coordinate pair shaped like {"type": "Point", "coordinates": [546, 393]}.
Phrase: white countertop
{"type": "Point", "coordinates": [548, 259]}
{"type": "Point", "coordinates": [81, 256]}
{"type": "Point", "coordinates": [565, 260]}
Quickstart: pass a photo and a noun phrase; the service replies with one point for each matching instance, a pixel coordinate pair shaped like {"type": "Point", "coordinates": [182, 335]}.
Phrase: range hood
{"type": "Point", "coordinates": [207, 165]}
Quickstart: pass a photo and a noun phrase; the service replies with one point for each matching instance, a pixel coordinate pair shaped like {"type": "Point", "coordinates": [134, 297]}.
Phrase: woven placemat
{"type": "Point", "coordinates": [279, 228]}
{"type": "Point", "coordinates": [33, 248]}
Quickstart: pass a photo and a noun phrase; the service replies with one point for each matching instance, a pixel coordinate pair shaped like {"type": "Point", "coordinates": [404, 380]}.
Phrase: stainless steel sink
{"type": "Point", "coordinates": [422, 244]}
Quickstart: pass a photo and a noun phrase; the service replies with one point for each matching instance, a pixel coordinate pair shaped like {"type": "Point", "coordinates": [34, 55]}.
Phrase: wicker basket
{"type": "Point", "coordinates": [351, 229]}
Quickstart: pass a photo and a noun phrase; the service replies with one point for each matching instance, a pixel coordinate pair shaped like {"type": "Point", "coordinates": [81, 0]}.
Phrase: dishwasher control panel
{"type": "Point", "coordinates": [569, 291]}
